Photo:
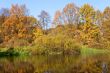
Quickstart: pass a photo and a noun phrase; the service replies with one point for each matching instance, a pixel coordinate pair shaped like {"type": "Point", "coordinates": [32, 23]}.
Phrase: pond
{"type": "Point", "coordinates": [56, 64]}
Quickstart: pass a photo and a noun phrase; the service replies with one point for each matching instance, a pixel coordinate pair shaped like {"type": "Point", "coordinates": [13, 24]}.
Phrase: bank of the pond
{"type": "Point", "coordinates": [85, 51]}
{"type": "Point", "coordinates": [10, 52]}
{"type": "Point", "coordinates": [25, 51]}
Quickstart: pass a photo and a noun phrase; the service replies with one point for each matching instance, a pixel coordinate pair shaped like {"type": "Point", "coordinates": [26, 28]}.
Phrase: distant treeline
{"type": "Point", "coordinates": [71, 28]}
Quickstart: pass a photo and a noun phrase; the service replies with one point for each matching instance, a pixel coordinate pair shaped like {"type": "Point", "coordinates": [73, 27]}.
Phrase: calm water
{"type": "Point", "coordinates": [55, 64]}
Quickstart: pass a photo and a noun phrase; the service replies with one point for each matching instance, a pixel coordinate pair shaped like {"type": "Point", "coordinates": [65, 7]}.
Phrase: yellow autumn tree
{"type": "Point", "coordinates": [19, 25]}
{"type": "Point", "coordinates": [106, 13]}
{"type": "Point", "coordinates": [89, 31]}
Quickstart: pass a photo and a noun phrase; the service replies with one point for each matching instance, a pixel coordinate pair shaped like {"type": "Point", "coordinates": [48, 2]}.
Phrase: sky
{"type": "Point", "coordinates": [51, 6]}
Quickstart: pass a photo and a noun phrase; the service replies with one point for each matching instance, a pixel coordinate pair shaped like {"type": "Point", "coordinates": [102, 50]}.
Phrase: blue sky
{"type": "Point", "coordinates": [35, 6]}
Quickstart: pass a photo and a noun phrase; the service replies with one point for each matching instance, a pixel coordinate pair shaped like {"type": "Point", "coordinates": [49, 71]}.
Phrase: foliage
{"type": "Point", "coordinates": [87, 14]}
{"type": "Point", "coordinates": [69, 15]}
{"type": "Point", "coordinates": [73, 27]}
{"type": "Point", "coordinates": [106, 13]}
{"type": "Point", "coordinates": [60, 42]}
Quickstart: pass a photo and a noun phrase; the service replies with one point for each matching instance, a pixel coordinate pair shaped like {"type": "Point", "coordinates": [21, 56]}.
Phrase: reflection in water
{"type": "Point", "coordinates": [9, 65]}
{"type": "Point", "coordinates": [104, 68]}
{"type": "Point", "coordinates": [55, 64]}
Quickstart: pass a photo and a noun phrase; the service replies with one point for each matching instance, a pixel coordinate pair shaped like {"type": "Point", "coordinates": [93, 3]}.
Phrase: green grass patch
{"type": "Point", "coordinates": [93, 51]}
{"type": "Point", "coordinates": [18, 51]}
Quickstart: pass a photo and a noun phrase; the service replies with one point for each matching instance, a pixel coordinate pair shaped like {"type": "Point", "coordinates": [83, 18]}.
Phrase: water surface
{"type": "Point", "coordinates": [55, 64]}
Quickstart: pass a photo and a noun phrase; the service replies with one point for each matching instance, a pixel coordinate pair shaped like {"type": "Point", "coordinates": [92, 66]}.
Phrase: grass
{"type": "Point", "coordinates": [26, 50]}
{"type": "Point", "coordinates": [18, 51]}
{"type": "Point", "coordinates": [9, 53]}
{"type": "Point", "coordinates": [30, 50]}
{"type": "Point", "coordinates": [93, 51]}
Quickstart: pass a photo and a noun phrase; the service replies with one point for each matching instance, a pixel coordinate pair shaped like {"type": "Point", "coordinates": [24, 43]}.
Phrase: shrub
{"type": "Point", "coordinates": [17, 42]}
{"type": "Point", "coordinates": [59, 43]}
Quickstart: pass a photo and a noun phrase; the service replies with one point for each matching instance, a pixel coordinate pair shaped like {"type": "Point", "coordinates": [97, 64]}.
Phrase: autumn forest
{"type": "Point", "coordinates": [70, 31]}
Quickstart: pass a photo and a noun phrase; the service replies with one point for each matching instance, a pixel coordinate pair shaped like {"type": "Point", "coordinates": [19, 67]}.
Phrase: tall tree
{"type": "Point", "coordinates": [19, 10]}
{"type": "Point", "coordinates": [106, 29]}
{"type": "Point", "coordinates": [18, 24]}
{"type": "Point", "coordinates": [106, 13]}
{"type": "Point", "coordinates": [87, 14]}
{"type": "Point", "coordinates": [57, 19]}
{"type": "Point", "coordinates": [44, 19]}
{"type": "Point", "coordinates": [4, 14]}
{"type": "Point", "coordinates": [70, 14]}
{"type": "Point", "coordinates": [89, 32]}
{"type": "Point", "coordinates": [98, 18]}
